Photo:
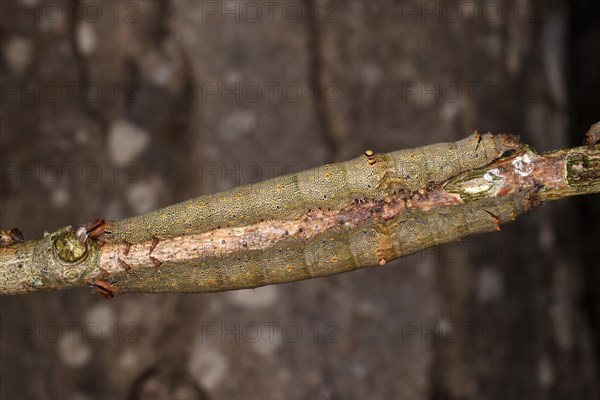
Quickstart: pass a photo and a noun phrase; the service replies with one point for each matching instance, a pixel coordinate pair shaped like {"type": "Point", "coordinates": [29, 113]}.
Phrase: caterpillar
{"type": "Point", "coordinates": [327, 220]}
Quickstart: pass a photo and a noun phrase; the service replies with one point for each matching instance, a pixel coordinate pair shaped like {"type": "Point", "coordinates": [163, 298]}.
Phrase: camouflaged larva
{"type": "Point", "coordinates": [324, 221]}
{"type": "Point", "coordinates": [328, 186]}
{"type": "Point", "coordinates": [334, 186]}
{"type": "Point", "coordinates": [333, 252]}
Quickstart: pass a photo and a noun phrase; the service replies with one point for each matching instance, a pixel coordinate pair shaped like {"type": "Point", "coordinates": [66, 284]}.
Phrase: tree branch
{"type": "Point", "coordinates": [324, 221]}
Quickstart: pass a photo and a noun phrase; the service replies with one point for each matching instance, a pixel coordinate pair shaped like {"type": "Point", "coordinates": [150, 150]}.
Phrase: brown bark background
{"type": "Point", "coordinates": [183, 98]}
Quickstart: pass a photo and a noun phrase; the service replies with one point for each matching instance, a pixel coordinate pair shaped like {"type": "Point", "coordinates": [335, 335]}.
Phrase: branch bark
{"type": "Point", "coordinates": [324, 221]}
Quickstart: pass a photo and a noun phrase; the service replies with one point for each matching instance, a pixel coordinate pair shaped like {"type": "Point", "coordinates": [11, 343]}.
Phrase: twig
{"type": "Point", "coordinates": [324, 221]}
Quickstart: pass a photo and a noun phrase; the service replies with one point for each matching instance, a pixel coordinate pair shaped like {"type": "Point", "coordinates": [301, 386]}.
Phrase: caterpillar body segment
{"type": "Point", "coordinates": [417, 231]}
{"type": "Point", "coordinates": [329, 186]}
{"type": "Point", "coordinates": [336, 251]}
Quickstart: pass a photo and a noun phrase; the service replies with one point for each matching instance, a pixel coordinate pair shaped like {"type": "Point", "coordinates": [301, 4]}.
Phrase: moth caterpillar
{"type": "Point", "coordinates": [327, 220]}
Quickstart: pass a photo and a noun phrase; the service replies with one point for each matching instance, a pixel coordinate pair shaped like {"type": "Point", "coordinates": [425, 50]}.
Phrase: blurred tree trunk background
{"type": "Point", "coordinates": [182, 98]}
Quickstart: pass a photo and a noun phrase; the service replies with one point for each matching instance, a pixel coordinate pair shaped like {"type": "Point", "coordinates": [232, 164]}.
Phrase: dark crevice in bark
{"type": "Point", "coordinates": [162, 31]}
{"type": "Point", "coordinates": [178, 134]}
{"type": "Point", "coordinates": [316, 73]}
{"type": "Point", "coordinates": [584, 84]}
{"type": "Point", "coordinates": [83, 68]}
